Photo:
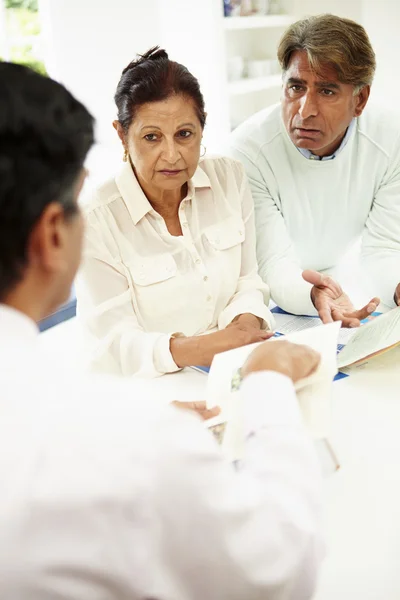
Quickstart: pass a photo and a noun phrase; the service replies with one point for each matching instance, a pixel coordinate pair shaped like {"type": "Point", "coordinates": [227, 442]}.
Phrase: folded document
{"type": "Point", "coordinates": [313, 392]}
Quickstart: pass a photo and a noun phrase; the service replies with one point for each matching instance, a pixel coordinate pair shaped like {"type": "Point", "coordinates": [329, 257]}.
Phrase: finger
{"type": "Point", "coordinates": [325, 315]}
{"type": "Point", "coordinates": [321, 281]}
{"type": "Point", "coordinates": [196, 406]}
{"type": "Point", "coordinates": [347, 319]}
{"type": "Point", "coordinates": [209, 413]}
{"type": "Point", "coordinates": [199, 407]}
{"type": "Point", "coordinates": [312, 277]}
{"type": "Point", "coordinates": [366, 311]}
{"type": "Point", "coordinates": [266, 335]}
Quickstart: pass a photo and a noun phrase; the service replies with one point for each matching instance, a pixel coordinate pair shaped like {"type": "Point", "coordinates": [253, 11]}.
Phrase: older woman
{"type": "Point", "coordinates": [170, 242]}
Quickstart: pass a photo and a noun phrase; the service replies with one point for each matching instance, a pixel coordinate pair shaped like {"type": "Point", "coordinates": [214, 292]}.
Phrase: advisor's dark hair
{"type": "Point", "coordinates": [45, 134]}
{"type": "Point", "coordinates": [152, 77]}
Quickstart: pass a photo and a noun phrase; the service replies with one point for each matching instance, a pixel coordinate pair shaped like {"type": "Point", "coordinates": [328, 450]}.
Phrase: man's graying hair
{"type": "Point", "coordinates": [334, 41]}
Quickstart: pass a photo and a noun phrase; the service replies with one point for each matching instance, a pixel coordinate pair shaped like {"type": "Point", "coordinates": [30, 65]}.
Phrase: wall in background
{"type": "Point", "coordinates": [92, 41]}
{"type": "Point", "coordinates": [381, 20]}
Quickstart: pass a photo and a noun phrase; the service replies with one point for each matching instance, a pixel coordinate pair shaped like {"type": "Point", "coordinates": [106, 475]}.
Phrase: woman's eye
{"type": "Point", "coordinates": [150, 137]}
{"type": "Point", "coordinates": [185, 133]}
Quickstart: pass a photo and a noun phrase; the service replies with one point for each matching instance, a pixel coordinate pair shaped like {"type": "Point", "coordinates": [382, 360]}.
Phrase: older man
{"type": "Point", "coordinates": [103, 493]}
{"type": "Point", "coordinates": [324, 171]}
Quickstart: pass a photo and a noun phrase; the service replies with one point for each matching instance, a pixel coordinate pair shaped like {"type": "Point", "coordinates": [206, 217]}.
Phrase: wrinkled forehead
{"type": "Point", "coordinates": [300, 68]}
{"type": "Point", "coordinates": [171, 113]}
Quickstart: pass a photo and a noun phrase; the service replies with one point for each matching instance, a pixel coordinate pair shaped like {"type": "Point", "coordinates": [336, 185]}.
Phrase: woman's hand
{"type": "Point", "coordinates": [247, 319]}
{"type": "Point", "coordinates": [200, 350]}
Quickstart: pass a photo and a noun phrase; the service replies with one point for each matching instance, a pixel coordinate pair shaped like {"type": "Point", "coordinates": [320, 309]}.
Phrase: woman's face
{"type": "Point", "coordinates": [163, 142]}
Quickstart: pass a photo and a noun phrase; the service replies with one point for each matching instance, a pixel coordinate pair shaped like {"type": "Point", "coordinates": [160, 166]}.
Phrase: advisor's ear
{"type": "Point", "coordinates": [47, 243]}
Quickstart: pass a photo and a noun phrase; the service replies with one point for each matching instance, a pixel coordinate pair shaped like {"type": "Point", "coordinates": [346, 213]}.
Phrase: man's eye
{"type": "Point", "coordinates": [150, 137]}
{"type": "Point", "coordinates": [296, 88]}
{"type": "Point", "coordinates": [326, 92]}
{"type": "Point", "coordinates": [184, 133]}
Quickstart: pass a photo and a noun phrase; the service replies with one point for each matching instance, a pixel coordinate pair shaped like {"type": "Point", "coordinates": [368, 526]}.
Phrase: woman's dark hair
{"type": "Point", "coordinates": [45, 134]}
{"type": "Point", "coordinates": [152, 77]}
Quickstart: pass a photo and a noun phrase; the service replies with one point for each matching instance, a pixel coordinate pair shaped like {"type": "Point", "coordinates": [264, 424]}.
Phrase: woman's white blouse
{"type": "Point", "coordinates": [139, 285]}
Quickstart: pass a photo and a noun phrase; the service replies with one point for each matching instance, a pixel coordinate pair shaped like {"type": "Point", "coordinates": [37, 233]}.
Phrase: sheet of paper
{"type": "Point", "coordinates": [375, 336]}
{"type": "Point", "coordinates": [287, 324]}
{"type": "Point", "coordinates": [313, 392]}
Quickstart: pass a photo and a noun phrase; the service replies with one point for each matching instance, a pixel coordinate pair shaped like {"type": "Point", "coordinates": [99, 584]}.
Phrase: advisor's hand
{"type": "Point", "coordinates": [293, 360]}
{"type": "Point", "coordinates": [199, 408]}
{"type": "Point", "coordinates": [333, 304]}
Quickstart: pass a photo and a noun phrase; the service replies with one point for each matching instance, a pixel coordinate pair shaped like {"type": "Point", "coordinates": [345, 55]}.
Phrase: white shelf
{"type": "Point", "coordinates": [257, 22]}
{"type": "Point", "coordinates": [247, 86]}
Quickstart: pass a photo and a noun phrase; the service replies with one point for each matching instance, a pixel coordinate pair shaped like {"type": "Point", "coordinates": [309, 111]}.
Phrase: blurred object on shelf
{"type": "Point", "coordinates": [235, 66]}
{"type": "Point", "coordinates": [235, 8]}
{"type": "Point", "coordinates": [262, 68]}
{"type": "Point", "coordinates": [247, 8]}
{"type": "Point", "coordinates": [256, 68]}
{"type": "Point", "coordinates": [275, 7]}
{"type": "Point", "coordinates": [261, 6]}
{"type": "Point", "coordinates": [227, 8]}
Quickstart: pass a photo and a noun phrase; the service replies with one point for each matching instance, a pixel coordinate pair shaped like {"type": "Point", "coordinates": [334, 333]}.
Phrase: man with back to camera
{"type": "Point", "coordinates": [104, 493]}
{"type": "Point", "coordinates": [324, 171]}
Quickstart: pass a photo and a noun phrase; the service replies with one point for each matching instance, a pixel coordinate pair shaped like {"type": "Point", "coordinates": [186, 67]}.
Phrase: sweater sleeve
{"type": "Point", "coordinates": [278, 264]}
{"type": "Point", "coordinates": [380, 253]}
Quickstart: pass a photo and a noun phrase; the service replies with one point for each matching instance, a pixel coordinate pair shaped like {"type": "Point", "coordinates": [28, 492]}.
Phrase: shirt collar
{"type": "Point", "coordinates": [15, 324]}
{"type": "Point", "coordinates": [311, 156]}
{"type": "Point", "coordinates": [134, 197]}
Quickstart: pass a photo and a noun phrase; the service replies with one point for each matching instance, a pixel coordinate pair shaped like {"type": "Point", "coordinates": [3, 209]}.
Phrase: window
{"type": "Point", "coordinates": [21, 39]}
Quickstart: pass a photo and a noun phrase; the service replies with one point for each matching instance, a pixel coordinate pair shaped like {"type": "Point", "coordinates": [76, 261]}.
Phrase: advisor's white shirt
{"type": "Point", "coordinates": [139, 284]}
{"type": "Point", "coordinates": [107, 495]}
{"type": "Point", "coordinates": [310, 212]}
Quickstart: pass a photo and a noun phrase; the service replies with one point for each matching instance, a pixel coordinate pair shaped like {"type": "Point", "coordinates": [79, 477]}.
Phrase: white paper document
{"type": "Point", "coordinates": [313, 392]}
{"type": "Point", "coordinates": [373, 337]}
{"type": "Point", "coordinates": [287, 324]}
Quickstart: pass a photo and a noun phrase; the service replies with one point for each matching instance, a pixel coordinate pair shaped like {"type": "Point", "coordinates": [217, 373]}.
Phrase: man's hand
{"type": "Point", "coordinates": [333, 304]}
{"type": "Point", "coordinates": [397, 295]}
{"type": "Point", "coordinates": [293, 360]}
{"type": "Point", "coordinates": [199, 408]}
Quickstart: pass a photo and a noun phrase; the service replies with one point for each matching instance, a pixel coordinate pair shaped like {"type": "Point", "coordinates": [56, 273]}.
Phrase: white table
{"type": "Point", "coordinates": [362, 500]}
{"type": "Point", "coordinates": [362, 508]}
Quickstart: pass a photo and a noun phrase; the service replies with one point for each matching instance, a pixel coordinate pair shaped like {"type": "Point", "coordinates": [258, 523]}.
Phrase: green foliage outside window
{"type": "Point", "coordinates": [23, 27]}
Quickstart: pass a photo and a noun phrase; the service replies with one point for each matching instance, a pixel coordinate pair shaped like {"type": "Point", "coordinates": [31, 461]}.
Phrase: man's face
{"type": "Point", "coordinates": [318, 108]}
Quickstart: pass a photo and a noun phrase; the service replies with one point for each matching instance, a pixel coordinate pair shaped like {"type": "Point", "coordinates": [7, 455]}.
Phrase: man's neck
{"type": "Point", "coordinates": [29, 301]}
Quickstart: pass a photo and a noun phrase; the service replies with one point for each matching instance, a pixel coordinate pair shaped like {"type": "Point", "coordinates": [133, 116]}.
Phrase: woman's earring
{"type": "Point", "coordinates": [125, 157]}
{"type": "Point", "coordinates": [204, 150]}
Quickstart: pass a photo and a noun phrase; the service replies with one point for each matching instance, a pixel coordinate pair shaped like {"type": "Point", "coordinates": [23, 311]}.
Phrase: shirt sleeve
{"type": "Point", "coordinates": [278, 264]}
{"type": "Point", "coordinates": [252, 294]}
{"type": "Point", "coordinates": [106, 310]}
{"type": "Point", "coordinates": [380, 250]}
{"type": "Point", "coordinates": [251, 533]}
